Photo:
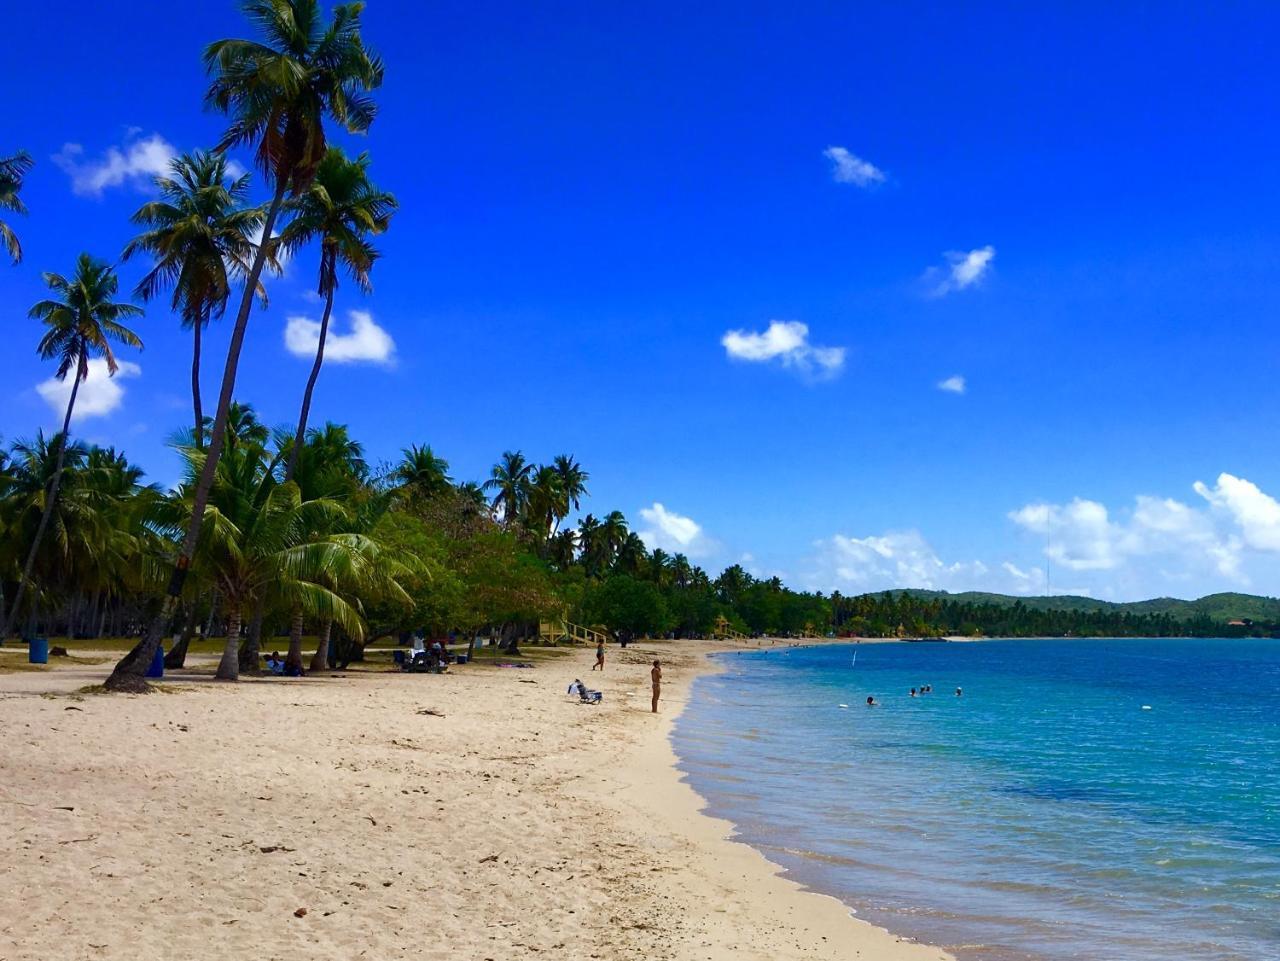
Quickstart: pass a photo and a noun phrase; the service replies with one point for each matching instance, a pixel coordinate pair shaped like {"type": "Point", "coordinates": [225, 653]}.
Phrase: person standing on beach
{"type": "Point", "coordinates": [656, 676]}
{"type": "Point", "coordinates": [599, 656]}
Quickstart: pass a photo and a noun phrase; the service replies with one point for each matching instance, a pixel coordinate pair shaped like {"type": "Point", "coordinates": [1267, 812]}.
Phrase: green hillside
{"type": "Point", "coordinates": [1220, 608]}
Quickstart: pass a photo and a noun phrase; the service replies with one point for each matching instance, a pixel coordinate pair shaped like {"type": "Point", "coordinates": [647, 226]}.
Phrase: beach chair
{"type": "Point", "coordinates": [585, 695]}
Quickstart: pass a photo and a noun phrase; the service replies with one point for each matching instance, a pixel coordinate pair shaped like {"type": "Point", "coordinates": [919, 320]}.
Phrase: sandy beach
{"type": "Point", "coordinates": [344, 817]}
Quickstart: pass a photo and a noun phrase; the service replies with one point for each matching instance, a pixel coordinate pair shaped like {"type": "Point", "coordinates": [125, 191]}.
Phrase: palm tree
{"type": "Point", "coordinates": [13, 170]}
{"type": "Point", "coordinates": [547, 502]}
{"type": "Point", "coordinates": [472, 500]}
{"type": "Point", "coordinates": [613, 534]}
{"type": "Point", "coordinates": [421, 472]}
{"type": "Point", "coordinates": [509, 480]}
{"type": "Point", "coordinates": [573, 479]}
{"type": "Point", "coordinates": [589, 544]}
{"type": "Point", "coordinates": [202, 238]}
{"type": "Point", "coordinates": [632, 554]}
{"type": "Point", "coordinates": [341, 208]}
{"type": "Point", "coordinates": [278, 92]}
{"type": "Point", "coordinates": [79, 325]}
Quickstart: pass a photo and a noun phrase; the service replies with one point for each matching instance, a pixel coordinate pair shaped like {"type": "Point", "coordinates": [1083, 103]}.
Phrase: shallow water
{"type": "Point", "coordinates": [1110, 800]}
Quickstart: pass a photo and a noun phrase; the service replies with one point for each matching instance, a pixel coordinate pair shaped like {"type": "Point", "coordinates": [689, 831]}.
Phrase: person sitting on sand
{"type": "Point", "coordinates": [655, 676]}
{"type": "Point", "coordinates": [274, 664]}
{"type": "Point", "coordinates": [599, 656]}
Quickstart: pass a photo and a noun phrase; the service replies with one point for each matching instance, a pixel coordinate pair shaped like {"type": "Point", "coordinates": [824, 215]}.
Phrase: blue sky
{"type": "Point", "coordinates": [1072, 209]}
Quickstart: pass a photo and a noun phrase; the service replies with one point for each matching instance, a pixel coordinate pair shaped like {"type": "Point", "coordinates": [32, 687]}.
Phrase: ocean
{"type": "Point", "coordinates": [1100, 799]}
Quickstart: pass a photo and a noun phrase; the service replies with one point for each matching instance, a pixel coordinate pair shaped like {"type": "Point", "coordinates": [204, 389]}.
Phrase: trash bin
{"type": "Point", "coordinates": [157, 663]}
{"type": "Point", "coordinates": [38, 650]}
{"type": "Point", "coordinates": [461, 659]}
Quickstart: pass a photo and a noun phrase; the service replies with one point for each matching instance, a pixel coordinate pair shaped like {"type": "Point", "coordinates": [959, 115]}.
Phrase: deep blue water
{"type": "Point", "coordinates": [1043, 814]}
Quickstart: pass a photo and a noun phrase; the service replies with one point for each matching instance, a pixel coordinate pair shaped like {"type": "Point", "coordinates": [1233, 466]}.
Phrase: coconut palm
{"type": "Point", "coordinates": [201, 235]}
{"type": "Point", "coordinates": [632, 554]}
{"type": "Point", "coordinates": [80, 325]}
{"type": "Point", "coordinates": [547, 502]}
{"type": "Point", "coordinates": [278, 92]}
{"type": "Point", "coordinates": [421, 472]}
{"type": "Point", "coordinates": [509, 482]}
{"type": "Point", "coordinates": [340, 208]}
{"type": "Point", "coordinates": [472, 500]}
{"type": "Point", "coordinates": [613, 534]}
{"type": "Point", "coordinates": [13, 170]}
{"type": "Point", "coordinates": [259, 545]}
{"type": "Point", "coordinates": [573, 479]}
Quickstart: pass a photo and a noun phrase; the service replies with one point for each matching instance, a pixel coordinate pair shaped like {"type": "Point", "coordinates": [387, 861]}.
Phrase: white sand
{"type": "Point", "coordinates": [520, 824]}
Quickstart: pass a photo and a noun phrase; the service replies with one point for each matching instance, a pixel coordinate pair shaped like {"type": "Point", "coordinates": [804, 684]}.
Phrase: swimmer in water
{"type": "Point", "coordinates": [913, 692]}
{"type": "Point", "coordinates": [871, 701]}
{"type": "Point", "coordinates": [959, 693]}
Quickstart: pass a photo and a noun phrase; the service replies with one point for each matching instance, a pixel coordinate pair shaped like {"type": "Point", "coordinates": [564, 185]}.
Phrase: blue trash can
{"type": "Point", "coordinates": [38, 650]}
{"type": "Point", "coordinates": [157, 663]}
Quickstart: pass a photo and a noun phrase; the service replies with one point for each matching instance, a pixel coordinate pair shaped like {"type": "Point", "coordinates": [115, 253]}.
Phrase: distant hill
{"type": "Point", "coordinates": [1220, 608]}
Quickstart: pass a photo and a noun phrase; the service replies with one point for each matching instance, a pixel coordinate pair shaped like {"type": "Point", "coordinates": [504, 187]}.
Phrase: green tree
{"type": "Point", "coordinates": [509, 481]}
{"type": "Point", "coordinates": [13, 171]}
{"type": "Point", "coordinates": [277, 91]}
{"type": "Point", "coordinates": [421, 473]}
{"type": "Point", "coordinates": [341, 208]}
{"type": "Point", "coordinates": [626, 605]}
{"type": "Point", "coordinates": [81, 322]}
{"type": "Point", "coordinates": [201, 236]}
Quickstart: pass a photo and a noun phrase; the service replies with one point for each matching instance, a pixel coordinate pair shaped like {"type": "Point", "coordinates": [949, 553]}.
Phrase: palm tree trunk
{"type": "Point", "coordinates": [213, 610]}
{"type": "Point", "coordinates": [130, 673]}
{"type": "Point", "coordinates": [300, 436]}
{"type": "Point", "coordinates": [320, 659]}
{"type": "Point", "coordinates": [251, 649]}
{"type": "Point", "coordinates": [195, 383]}
{"type": "Point", "coordinates": [178, 656]}
{"type": "Point", "coordinates": [294, 657]}
{"type": "Point", "coordinates": [229, 666]}
{"type": "Point", "coordinates": [50, 499]}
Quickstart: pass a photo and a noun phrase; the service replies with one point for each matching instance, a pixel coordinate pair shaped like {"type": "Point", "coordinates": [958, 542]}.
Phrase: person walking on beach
{"type": "Point", "coordinates": [656, 676]}
{"type": "Point", "coordinates": [599, 656]}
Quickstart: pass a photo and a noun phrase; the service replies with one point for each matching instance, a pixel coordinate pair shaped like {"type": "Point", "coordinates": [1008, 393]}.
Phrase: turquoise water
{"type": "Point", "coordinates": [1045, 814]}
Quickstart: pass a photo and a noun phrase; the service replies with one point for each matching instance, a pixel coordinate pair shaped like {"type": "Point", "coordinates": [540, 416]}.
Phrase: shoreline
{"type": "Point", "coordinates": [781, 918]}
{"type": "Point", "coordinates": [479, 814]}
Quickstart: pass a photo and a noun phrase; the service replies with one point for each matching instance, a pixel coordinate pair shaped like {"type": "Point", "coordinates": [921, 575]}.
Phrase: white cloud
{"type": "Point", "coordinates": [963, 270]}
{"type": "Point", "coordinates": [1083, 536]}
{"type": "Point", "coordinates": [138, 163]}
{"type": "Point", "coordinates": [786, 341]}
{"type": "Point", "coordinates": [1151, 547]}
{"type": "Point", "coordinates": [99, 393]}
{"type": "Point", "coordinates": [674, 532]}
{"type": "Point", "coordinates": [848, 168]}
{"type": "Point", "coordinates": [953, 385]}
{"type": "Point", "coordinates": [236, 170]}
{"type": "Point", "coordinates": [892, 560]}
{"type": "Point", "coordinates": [365, 343]}
{"type": "Point", "coordinates": [1256, 514]}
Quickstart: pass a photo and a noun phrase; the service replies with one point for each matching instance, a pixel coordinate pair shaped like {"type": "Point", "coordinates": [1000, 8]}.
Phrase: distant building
{"type": "Point", "coordinates": [1245, 622]}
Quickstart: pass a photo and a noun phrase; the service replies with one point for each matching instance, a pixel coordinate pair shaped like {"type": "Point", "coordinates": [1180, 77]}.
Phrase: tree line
{"type": "Point", "coordinates": [903, 614]}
